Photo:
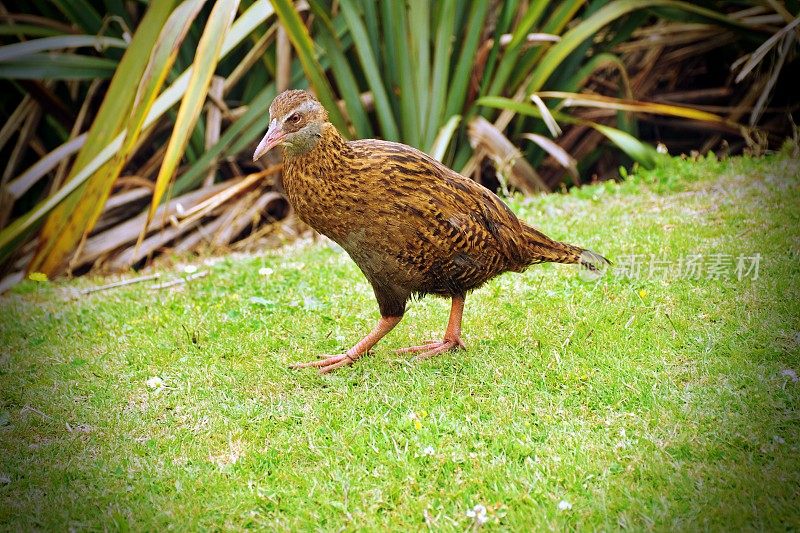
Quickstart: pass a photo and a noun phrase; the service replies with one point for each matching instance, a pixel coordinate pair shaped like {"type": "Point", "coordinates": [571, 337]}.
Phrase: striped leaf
{"type": "Point", "coordinates": [623, 104]}
{"type": "Point", "coordinates": [58, 66]}
{"type": "Point", "coordinates": [641, 152]}
{"type": "Point", "coordinates": [570, 41]}
{"type": "Point", "coordinates": [205, 63]}
{"type": "Point", "coordinates": [441, 59]}
{"type": "Point", "coordinates": [14, 51]}
{"type": "Point", "coordinates": [457, 92]}
{"type": "Point", "coordinates": [442, 140]}
{"type": "Point", "coordinates": [341, 71]}
{"type": "Point", "coordinates": [637, 150]}
{"type": "Point", "coordinates": [370, 65]}
{"type": "Point", "coordinates": [66, 225]}
{"type": "Point", "coordinates": [65, 200]}
{"type": "Point", "coordinates": [304, 47]}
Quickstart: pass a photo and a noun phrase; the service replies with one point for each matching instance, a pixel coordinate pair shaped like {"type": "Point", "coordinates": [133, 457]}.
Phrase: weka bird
{"type": "Point", "coordinates": [412, 225]}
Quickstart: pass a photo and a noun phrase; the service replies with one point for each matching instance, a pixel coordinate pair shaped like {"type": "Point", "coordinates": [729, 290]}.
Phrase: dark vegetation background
{"type": "Point", "coordinates": [521, 95]}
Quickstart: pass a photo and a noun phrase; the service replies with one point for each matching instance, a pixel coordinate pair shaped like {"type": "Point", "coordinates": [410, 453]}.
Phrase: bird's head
{"type": "Point", "coordinates": [296, 120]}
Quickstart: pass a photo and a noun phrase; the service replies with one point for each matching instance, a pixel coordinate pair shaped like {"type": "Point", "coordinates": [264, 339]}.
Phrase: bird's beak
{"type": "Point", "coordinates": [273, 138]}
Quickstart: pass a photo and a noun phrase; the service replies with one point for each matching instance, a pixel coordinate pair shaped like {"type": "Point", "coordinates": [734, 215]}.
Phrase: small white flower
{"type": "Point", "coordinates": [155, 382]}
{"type": "Point", "coordinates": [265, 271]}
{"type": "Point", "coordinates": [791, 374]}
{"type": "Point", "coordinates": [309, 302]}
{"type": "Point", "coordinates": [478, 513]}
{"type": "Point", "coordinates": [428, 451]}
{"type": "Point", "coordinates": [190, 269]}
{"type": "Point", "coordinates": [564, 505]}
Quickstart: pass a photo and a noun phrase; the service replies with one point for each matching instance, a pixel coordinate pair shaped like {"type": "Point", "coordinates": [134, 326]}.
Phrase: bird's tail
{"type": "Point", "coordinates": [542, 249]}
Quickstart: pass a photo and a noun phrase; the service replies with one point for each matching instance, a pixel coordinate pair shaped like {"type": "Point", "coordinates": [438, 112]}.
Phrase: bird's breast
{"type": "Point", "coordinates": [322, 203]}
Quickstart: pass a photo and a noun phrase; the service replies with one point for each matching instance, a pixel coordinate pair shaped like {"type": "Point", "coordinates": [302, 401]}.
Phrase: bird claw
{"type": "Point", "coordinates": [328, 363]}
{"type": "Point", "coordinates": [429, 349]}
{"type": "Point", "coordinates": [421, 348]}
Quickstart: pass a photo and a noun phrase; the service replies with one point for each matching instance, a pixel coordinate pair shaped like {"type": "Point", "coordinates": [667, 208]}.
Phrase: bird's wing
{"type": "Point", "coordinates": [435, 206]}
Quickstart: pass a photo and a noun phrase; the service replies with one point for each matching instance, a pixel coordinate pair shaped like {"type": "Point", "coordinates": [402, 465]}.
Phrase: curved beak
{"type": "Point", "coordinates": [273, 138]}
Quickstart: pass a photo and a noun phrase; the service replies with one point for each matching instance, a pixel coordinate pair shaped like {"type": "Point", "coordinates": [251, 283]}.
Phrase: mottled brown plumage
{"type": "Point", "coordinates": [412, 225]}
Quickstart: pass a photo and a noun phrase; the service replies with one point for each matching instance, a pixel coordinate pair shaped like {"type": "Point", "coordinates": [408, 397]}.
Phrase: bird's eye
{"type": "Point", "coordinates": [294, 118]}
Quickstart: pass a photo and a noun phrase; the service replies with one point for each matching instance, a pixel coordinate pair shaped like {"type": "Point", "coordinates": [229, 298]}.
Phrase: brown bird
{"type": "Point", "coordinates": [412, 225]}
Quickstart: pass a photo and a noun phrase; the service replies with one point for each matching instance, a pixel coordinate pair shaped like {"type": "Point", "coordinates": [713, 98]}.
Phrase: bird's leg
{"type": "Point", "coordinates": [329, 363]}
{"type": "Point", "coordinates": [452, 336]}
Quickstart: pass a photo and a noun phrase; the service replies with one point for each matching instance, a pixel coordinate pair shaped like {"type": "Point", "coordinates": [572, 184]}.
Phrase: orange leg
{"type": "Point", "coordinates": [332, 362]}
{"type": "Point", "coordinates": [452, 336]}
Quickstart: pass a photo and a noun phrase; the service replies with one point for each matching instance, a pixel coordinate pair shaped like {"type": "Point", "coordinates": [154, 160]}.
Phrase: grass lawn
{"type": "Point", "coordinates": [663, 399]}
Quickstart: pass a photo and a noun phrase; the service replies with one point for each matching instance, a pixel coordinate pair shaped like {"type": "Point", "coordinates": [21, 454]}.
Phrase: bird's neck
{"type": "Point", "coordinates": [326, 141]}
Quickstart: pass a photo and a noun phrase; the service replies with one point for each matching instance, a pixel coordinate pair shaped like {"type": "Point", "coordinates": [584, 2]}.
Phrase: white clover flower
{"type": "Point", "coordinates": [478, 513]}
{"type": "Point", "coordinates": [154, 382]}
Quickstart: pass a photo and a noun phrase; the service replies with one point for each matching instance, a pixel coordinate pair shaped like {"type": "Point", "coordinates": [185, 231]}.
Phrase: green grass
{"type": "Point", "coordinates": [660, 402]}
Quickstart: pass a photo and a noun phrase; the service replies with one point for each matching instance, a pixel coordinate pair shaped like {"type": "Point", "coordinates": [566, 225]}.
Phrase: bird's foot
{"type": "Point", "coordinates": [433, 347]}
{"type": "Point", "coordinates": [328, 363]}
